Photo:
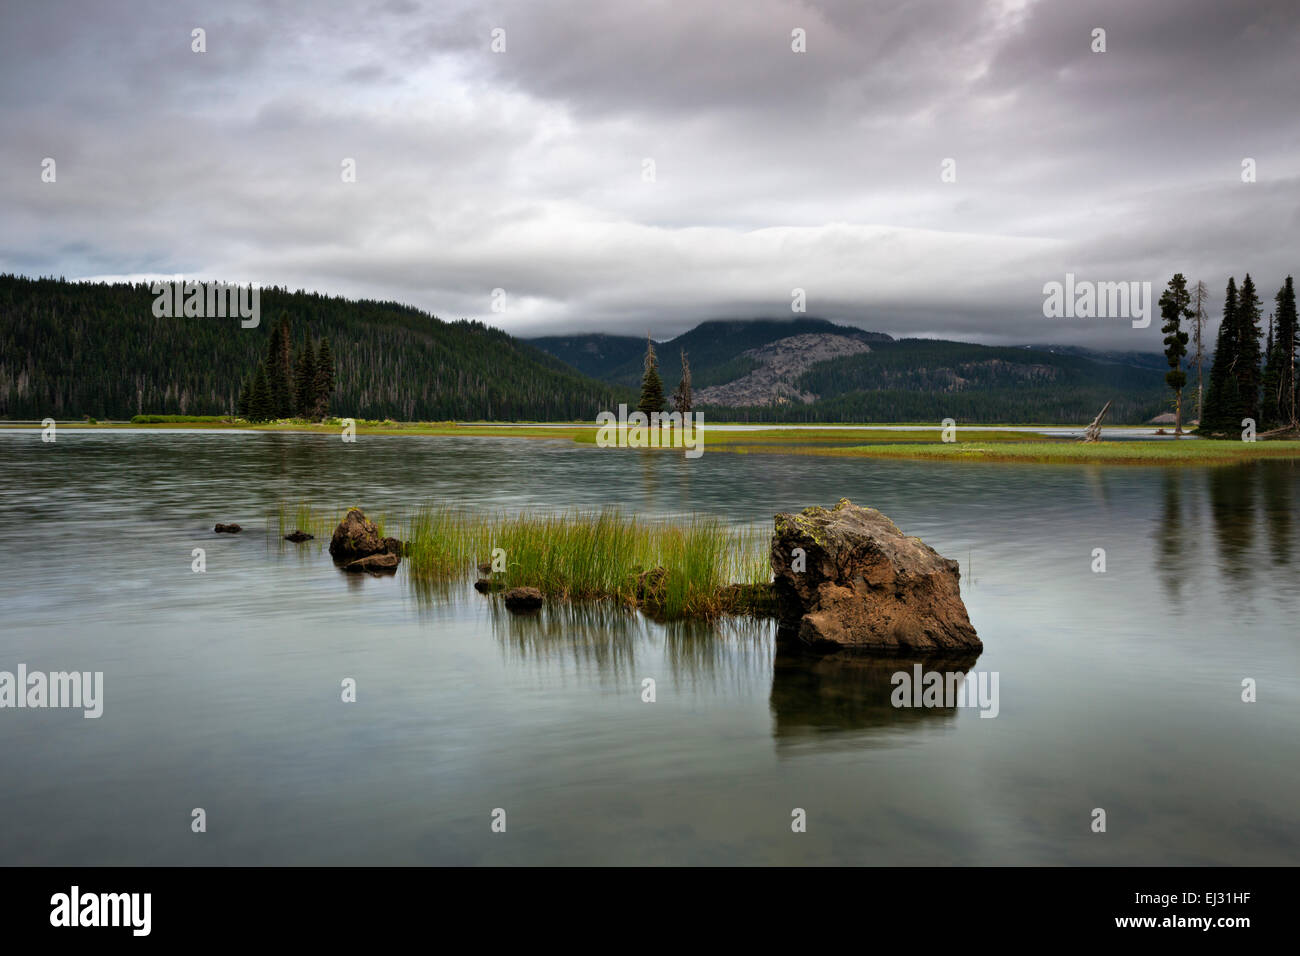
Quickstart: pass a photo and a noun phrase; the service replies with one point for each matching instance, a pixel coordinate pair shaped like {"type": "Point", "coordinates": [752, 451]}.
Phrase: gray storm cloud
{"type": "Point", "coordinates": [523, 170]}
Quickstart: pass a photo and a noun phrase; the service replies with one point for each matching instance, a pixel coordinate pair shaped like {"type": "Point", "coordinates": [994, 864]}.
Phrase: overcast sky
{"type": "Point", "coordinates": [525, 170]}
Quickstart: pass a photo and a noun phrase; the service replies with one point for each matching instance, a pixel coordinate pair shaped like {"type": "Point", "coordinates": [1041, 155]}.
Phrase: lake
{"type": "Point", "coordinates": [1119, 690]}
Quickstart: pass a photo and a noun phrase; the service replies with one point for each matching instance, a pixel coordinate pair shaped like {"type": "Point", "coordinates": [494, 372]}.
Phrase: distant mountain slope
{"type": "Point", "coordinates": [74, 349]}
{"type": "Point", "coordinates": [742, 371]}
{"type": "Point", "coordinates": [1151, 360]}
{"type": "Point", "coordinates": [780, 364]}
{"type": "Point", "coordinates": [714, 348]}
{"type": "Point", "coordinates": [924, 379]}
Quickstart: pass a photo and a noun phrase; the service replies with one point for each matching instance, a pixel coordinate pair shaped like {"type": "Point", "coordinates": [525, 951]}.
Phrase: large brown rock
{"type": "Point", "coordinates": [866, 585]}
{"type": "Point", "coordinates": [356, 537]}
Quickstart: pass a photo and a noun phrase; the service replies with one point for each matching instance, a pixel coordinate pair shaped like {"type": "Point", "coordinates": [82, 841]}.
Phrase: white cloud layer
{"type": "Point", "coordinates": [523, 170]}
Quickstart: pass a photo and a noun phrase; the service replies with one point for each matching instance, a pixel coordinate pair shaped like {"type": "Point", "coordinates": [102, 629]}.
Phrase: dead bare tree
{"type": "Point", "coordinates": [1200, 302]}
{"type": "Point", "coordinates": [1093, 431]}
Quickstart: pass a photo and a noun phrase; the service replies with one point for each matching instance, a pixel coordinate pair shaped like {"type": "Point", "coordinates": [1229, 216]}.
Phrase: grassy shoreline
{"type": "Point", "coordinates": [922, 443]}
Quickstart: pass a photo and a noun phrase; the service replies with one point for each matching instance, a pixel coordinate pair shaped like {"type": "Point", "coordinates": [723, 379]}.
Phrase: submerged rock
{"type": "Point", "coordinates": [650, 586]}
{"type": "Point", "coordinates": [862, 583]}
{"type": "Point", "coordinates": [523, 599]}
{"type": "Point", "coordinates": [758, 600]}
{"type": "Point", "coordinates": [298, 536]}
{"type": "Point", "coordinates": [484, 585]}
{"type": "Point", "coordinates": [374, 563]}
{"type": "Point", "coordinates": [227, 529]}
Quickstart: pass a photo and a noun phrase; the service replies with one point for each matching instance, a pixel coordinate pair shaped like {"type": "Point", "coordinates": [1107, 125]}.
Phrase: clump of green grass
{"type": "Point", "coordinates": [582, 556]}
{"type": "Point", "coordinates": [444, 542]}
{"type": "Point", "coordinates": [574, 556]}
{"type": "Point", "coordinates": [1130, 452]}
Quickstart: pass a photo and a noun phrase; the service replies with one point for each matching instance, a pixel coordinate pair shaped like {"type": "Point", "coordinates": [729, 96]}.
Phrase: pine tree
{"type": "Point", "coordinates": [1173, 309]}
{"type": "Point", "coordinates": [270, 363]}
{"type": "Point", "coordinates": [245, 398]}
{"type": "Point", "coordinates": [1268, 383]}
{"type": "Point", "coordinates": [1248, 351]}
{"type": "Point", "coordinates": [1221, 396]}
{"type": "Point", "coordinates": [324, 385]}
{"type": "Point", "coordinates": [278, 374]}
{"type": "Point", "coordinates": [284, 368]}
{"type": "Point", "coordinates": [682, 400]}
{"type": "Point", "coordinates": [1279, 381]}
{"type": "Point", "coordinates": [304, 381]}
{"type": "Point", "coordinates": [1288, 340]}
{"type": "Point", "coordinates": [652, 389]}
{"type": "Point", "coordinates": [259, 403]}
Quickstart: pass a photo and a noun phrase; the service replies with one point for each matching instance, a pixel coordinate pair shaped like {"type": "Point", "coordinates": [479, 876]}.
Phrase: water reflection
{"type": "Point", "coordinates": [1239, 498]}
{"type": "Point", "coordinates": [598, 637]}
{"type": "Point", "coordinates": [1174, 549]}
{"type": "Point", "coordinates": [731, 650]}
{"type": "Point", "coordinates": [1277, 484]}
{"type": "Point", "coordinates": [814, 695]}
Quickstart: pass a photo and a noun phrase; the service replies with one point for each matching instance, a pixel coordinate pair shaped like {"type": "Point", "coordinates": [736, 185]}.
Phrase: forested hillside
{"type": "Point", "coordinates": [897, 380]}
{"type": "Point", "coordinates": [73, 349]}
{"type": "Point", "coordinates": [925, 379]}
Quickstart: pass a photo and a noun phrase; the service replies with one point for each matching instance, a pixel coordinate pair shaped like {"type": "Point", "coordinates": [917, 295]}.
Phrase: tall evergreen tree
{"type": "Point", "coordinates": [1221, 397]}
{"type": "Point", "coordinates": [682, 400]}
{"type": "Point", "coordinates": [245, 398]}
{"type": "Point", "coordinates": [278, 373]}
{"type": "Point", "coordinates": [1288, 341]}
{"type": "Point", "coordinates": [652, 389]}
{"type": "Point", "coordinates": [324, 380]}
{"type": "Point", "coordinates": [284, 367]}
{"type": "Point", "coordinates": [1268, 383]}
{"type": "Point", "coordinates": [1173, 309]}
{"type": "Point", "coordinates": [304, 381]}
{"type": "Point", "coordinates": [1248, 350]}
{"type": "Point", "coordinates": [1279, 381]}
{"type": "Point", "coordinates": [260, 408]}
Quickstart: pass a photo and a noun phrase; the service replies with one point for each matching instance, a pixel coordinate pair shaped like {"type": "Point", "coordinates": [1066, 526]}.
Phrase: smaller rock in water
{"type": "Point", "coordinates": [227, 529]}
{"type": "Point", "coordinates": [758, 600]}
{"type": "Point", "coordinates": [651, 586]}
{"type": "Point", "coordinates": [523, 599]}
{"type": "Point", "coordinates": [374, 563]}
{"type": "Point", "coordinates": [484, 585]}
{"type": "Point", "coordinates": [298, 536]}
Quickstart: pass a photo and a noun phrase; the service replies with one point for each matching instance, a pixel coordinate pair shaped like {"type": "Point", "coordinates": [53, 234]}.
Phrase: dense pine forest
{"type": "Point", "coordinates": [69, 350]}
{"type": "Point", "coordinates": [1250, 379]}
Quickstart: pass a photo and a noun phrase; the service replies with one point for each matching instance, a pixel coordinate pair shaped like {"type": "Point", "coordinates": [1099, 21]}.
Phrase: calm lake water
{"type": "Point", "coordinates": [1119, 690]}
